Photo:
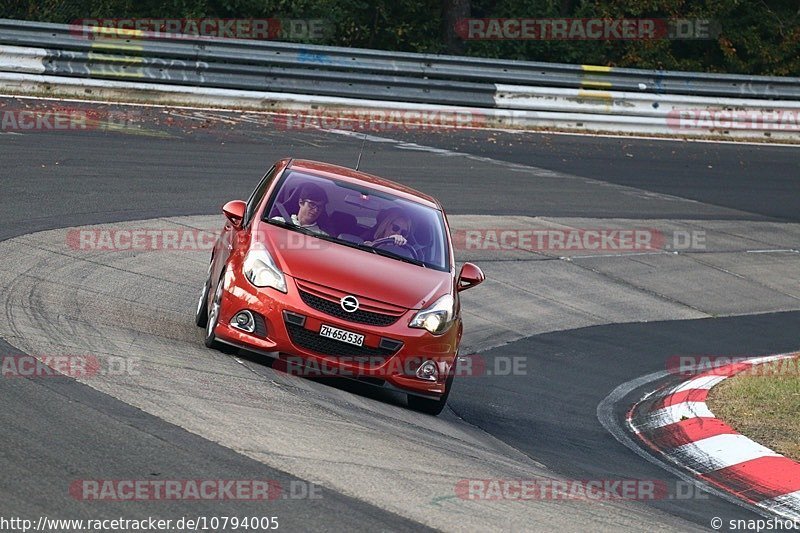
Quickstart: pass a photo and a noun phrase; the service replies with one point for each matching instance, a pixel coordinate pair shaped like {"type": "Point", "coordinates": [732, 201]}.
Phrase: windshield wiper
{"type": "Point", "coordinates": [352, 244]}
{"type": "Point", "coordinates": [384, 253]}
{"type": "Point", "coordinates": [378, 251]}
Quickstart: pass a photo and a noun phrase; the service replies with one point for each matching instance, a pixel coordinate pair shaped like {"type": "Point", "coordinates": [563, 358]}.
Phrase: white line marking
{"type": "Point", "coordinates": [675, 413]}
{"type": "Point", "coordinates": [667, 139]}
{"type": "Point", "coordinates": [788, 250]}
{"type": "Point", "coordinates": [632, 254]}
{"type": "Point", "coordinates": [722, 451]}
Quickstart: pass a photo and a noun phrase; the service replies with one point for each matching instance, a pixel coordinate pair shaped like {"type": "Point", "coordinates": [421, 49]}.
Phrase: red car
{"type": "Point", "coordinates": [340, 273]}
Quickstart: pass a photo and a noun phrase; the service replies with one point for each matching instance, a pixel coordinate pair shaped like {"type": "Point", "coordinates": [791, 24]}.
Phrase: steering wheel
{"type": "Point", "coordinates": [390, 241]}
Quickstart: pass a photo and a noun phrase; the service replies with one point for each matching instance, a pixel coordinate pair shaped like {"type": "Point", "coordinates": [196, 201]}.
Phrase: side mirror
{"type": "Point", "coordinates": [470, 276]}
{"type": "Point", "coordinates": [234, 212]}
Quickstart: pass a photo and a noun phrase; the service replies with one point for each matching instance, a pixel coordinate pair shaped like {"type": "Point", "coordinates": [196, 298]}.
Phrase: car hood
{"type": "Point", "coordinates": [354, 271]}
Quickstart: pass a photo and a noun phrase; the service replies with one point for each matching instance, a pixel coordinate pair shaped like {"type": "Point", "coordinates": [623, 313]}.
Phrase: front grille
{"type": "Point", "coordinates": [334, 309]}
{"type": "Point", "coordinates": [313, 341]}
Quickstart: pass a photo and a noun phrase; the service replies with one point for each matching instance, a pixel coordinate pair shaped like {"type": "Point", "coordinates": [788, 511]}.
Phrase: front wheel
{"type": "Point", "coordinates": [214, 312]}
{"type": "Point", "coordinates": [433, 407]}
{"type": "Point", "coordinates": [201, 313]}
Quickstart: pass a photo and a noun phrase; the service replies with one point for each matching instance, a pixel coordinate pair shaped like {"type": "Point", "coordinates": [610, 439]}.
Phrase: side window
{"type": "Point", "coordinates": [257, 196]}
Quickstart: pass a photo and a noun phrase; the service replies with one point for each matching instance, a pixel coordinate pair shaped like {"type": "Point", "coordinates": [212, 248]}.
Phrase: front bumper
{"type": "Point", "coordinates": [390, 355]}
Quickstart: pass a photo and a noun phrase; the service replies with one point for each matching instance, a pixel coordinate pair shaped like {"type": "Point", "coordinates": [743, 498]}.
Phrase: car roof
{"type": "Point", "coordinates": [355, 176]}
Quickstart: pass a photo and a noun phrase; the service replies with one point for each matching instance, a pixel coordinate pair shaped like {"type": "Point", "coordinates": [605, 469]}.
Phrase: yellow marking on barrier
{"type": "Point", "coordinates": [115, 74]}
{"type": "Point", "coordinates": [105, 45]}
{"type": "Point", "coordinates": [95, 56]}
{"type": "Point", "coordinates": [595, 68]}
{"type": "Point", "coordinates": [112, 65]}
{"type": "Point", "coordinates": [594, 95]}
{"type": "Point", "coordinates": [117, 32]}
{"type": "Point", "coordinates": [598, 84]}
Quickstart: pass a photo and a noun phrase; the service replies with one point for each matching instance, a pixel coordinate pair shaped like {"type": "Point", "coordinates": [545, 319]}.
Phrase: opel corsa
{"type": "Point", "coordinates": [341, 272]}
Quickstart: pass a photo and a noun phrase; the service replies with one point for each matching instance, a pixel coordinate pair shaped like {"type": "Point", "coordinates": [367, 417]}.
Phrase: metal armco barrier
{"type": "Point", "coordinates": [69, 60]}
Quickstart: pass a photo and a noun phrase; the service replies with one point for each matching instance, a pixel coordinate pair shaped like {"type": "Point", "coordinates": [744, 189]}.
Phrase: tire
{"type": "Point", "coordinates": [212, 318]}
{"type": "Point", "coordinates": [201, 313]}
{"type": "Point", "coordinates": [433, 407]}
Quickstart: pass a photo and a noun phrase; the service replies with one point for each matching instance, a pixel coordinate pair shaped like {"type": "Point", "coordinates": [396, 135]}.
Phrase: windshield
{"type": "Point", "coordinates": [355, 215]}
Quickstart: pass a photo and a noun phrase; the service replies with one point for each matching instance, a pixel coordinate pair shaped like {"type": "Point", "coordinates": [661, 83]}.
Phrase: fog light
{"type": "Point", "coordinates": [244, 321]}
{"type": "Point", "coordinates": [428, 371]}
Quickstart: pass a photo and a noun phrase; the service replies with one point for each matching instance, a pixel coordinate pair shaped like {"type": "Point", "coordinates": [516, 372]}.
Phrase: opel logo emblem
{"type": "Point", "coordinates": [349, 304]}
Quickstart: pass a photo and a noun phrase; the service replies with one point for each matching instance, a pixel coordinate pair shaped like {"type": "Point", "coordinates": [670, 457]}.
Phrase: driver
{"type": "Point", "coordinates": [312, 204]}
{"type": "Point", "coordinates": [395, 225]}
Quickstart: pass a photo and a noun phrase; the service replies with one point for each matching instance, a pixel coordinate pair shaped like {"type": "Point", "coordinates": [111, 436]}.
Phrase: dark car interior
{"type": "Point", "coordinates": [352, 216]}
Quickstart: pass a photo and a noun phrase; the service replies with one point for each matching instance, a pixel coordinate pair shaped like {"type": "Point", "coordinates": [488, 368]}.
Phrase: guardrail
{"type": "Point", "coordinates": [268, 74]}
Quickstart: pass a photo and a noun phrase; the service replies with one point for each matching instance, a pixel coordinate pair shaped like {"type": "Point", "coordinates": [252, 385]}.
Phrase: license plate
{"type": "Point", "coordinates": [341, 335]}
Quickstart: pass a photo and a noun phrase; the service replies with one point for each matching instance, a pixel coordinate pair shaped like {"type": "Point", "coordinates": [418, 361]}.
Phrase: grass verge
{"type": "Point", "coordinates": [763, 404]}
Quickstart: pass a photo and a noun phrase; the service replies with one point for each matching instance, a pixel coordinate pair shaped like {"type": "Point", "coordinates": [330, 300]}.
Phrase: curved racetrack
{"type": "Point", "coordinates": [582, 323]}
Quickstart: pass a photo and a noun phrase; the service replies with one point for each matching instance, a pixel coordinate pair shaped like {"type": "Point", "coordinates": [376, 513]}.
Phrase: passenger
{"type": "Point", "coordinates": [395, 224]}
{"type": "Point", "coordinates": [312, 204]}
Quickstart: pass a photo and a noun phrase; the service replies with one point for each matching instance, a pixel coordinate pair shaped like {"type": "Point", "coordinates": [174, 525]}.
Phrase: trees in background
{"type": "Point", "coordinates": [757, 36]}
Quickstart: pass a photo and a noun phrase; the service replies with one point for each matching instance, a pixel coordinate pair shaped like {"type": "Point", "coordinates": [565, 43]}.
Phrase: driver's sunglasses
{"type": "Point", "coordinates": [398, 230]}
{"type": "Point", "coordinates": [313, 205]}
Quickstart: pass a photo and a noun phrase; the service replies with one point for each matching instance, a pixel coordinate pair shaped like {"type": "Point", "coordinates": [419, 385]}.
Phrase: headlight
{"type": "Point", "coordinates": [436, 318]}
{"type": "Point", "coordinates": [260, 270]}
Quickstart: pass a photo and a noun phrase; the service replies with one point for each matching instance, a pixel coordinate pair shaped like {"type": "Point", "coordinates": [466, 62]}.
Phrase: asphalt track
{"type": "Point", "coordinates": [61, 430]}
